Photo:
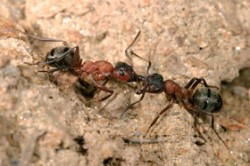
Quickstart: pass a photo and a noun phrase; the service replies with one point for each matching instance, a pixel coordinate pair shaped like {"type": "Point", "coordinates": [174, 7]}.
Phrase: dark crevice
{"type": "Point", "coordinates": [112, 161]}
{"type": "Point", "coordinates": [80, 142]}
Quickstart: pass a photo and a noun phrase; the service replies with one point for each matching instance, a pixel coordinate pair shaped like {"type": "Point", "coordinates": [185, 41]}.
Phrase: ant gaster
{"type": "Point", "coordinates": [68, 58]}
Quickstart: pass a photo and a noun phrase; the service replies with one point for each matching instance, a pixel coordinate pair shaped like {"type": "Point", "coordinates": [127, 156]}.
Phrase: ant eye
{"type": "Point", "coordinates": [65, 49]}
{"type": "Point", "coordinates": [51, 55]}
{"type": "Point", "coordinates": [121, 72]}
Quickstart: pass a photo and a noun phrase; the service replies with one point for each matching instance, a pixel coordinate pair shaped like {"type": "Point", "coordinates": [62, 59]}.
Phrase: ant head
{"type": "Point", "coordinates": [155, 83]}
{"type": "Point", "coordinates": [59, 57]}
{"type": "Point", "coordinates": [124, 72]}
{"type": "Point", "coordinates": [207, 100]}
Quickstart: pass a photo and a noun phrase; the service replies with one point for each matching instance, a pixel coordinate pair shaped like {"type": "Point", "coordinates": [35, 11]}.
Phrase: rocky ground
{"type": "Point", "coordinates": [45, 121]}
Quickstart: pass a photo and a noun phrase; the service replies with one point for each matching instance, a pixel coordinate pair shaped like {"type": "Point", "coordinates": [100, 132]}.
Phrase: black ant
{"type": "Point", "coordinates": [68, 58]}
{"type": "Point", "coordinates": [197, 101]}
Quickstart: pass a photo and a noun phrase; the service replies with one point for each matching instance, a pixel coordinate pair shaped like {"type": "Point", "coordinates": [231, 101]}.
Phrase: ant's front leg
{"type": "Point", "coordinates": [142, 92]}
{"type": "Point", "coordinates": [53, 70]}
{"type": "Point", "coordinates": [47, 71]}
{"type": "Point", "coordinates": [193, 83]}
{"type": "Point", "coordinates": [145, 141]}
{"type": "Point", "coordinates": [197, 129]}
{"type": "Point", "coordinates": [213, 128]}
{"type": "Point", "coordinates": [190, 108]}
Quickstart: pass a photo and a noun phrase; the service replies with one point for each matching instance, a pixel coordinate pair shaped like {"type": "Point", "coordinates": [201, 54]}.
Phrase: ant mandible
{"type": "Point", "coordinates": [196, 100]}
{"type": "Point", "coordinates": [68, 58]}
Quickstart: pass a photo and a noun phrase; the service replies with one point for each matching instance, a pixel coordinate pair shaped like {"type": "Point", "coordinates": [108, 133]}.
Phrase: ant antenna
{"type": "Point", "coordinates": [48, 39]}
{"type": "Point", "coordinates": [44, 39]}
{"type": "Point", "coordinates": [129, 52]}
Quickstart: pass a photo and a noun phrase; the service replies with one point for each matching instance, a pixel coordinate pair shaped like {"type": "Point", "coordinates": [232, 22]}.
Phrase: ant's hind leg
{"type": "Point", "coordinates": [53, 70]}
{"type": "Point", "coordinates": [36, 63]}
{"type": "Point", "coordinates": [145, 141]}
{"type": "Point", "coordinates": [197, 129]}
{"type": "Point", "coordinates": [213, 128]}
{"type": "Point", "coordinates": [195, 115]}
{"type": "Point", "coordinates": [105, 89]}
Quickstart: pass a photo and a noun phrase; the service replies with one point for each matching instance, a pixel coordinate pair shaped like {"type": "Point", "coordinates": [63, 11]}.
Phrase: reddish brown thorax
{"type": "Point", "coordinates": [99, 69]}
{"type": "Point", "coordinates": [174, 90]}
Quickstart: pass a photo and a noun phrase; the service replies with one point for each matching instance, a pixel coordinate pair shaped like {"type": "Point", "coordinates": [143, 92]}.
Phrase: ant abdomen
{"type": "Point", "coordinates": [207, 100]}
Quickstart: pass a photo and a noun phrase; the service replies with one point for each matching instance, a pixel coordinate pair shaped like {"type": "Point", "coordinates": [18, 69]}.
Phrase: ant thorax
{"type": "Point", "coordinates": [97, 71]}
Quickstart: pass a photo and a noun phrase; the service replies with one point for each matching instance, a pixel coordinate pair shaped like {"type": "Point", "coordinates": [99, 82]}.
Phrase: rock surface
{"type": "Point", "coordinates": [44, 122]}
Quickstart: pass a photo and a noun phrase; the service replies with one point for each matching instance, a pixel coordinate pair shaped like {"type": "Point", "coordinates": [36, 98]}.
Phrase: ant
{"type": "Point", "coordinates": [196, 100]}
{"type": "Point", "coordinates": [68, 58]}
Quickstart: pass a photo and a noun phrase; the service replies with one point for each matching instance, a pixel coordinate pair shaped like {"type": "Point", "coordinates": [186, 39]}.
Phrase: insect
{"type": "Point", "coordinates": [68, 58]}
{"type": "Point", "coordinates": [196, 100]}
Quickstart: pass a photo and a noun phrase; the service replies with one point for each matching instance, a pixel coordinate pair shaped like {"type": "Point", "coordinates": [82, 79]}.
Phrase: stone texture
{"type": "Point", "coordinates": [41, 115]}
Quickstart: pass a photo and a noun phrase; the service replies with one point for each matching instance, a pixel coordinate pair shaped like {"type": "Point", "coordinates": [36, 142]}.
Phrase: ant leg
{"type": "Point", "coordinates": [197, 129]}
{"type": "Point", "coordinates": [144, 141]}
{"type": "Point", "coordinates": [52, 70]}
{"type": "Point", "coordinates": [48, 71]}
{"type": "Point", "coordinates": [205, 83]}
{"type": "Point", "coordinates": [195, 115]}
{"type": "Point", "coordinates": [190, 83]}
{"type": "Point", "coordinates": [158, 116]}
{"type": "Point", "coordinates": [36, 63]}
{"type": "Point", "coordinates": [131, 105]}
{"type": "Point", "coordinates": [103, 88]}
{"type": "Point", "coordinates": [195, 81]}
{"type": "Point", "coordinates": [213, 128]}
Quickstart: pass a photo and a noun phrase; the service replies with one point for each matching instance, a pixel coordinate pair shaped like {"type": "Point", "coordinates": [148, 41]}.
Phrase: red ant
{"type": "Point", "coordinates": [68, 58]}
{"type": "Point", "coordinates": [196, 101]}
